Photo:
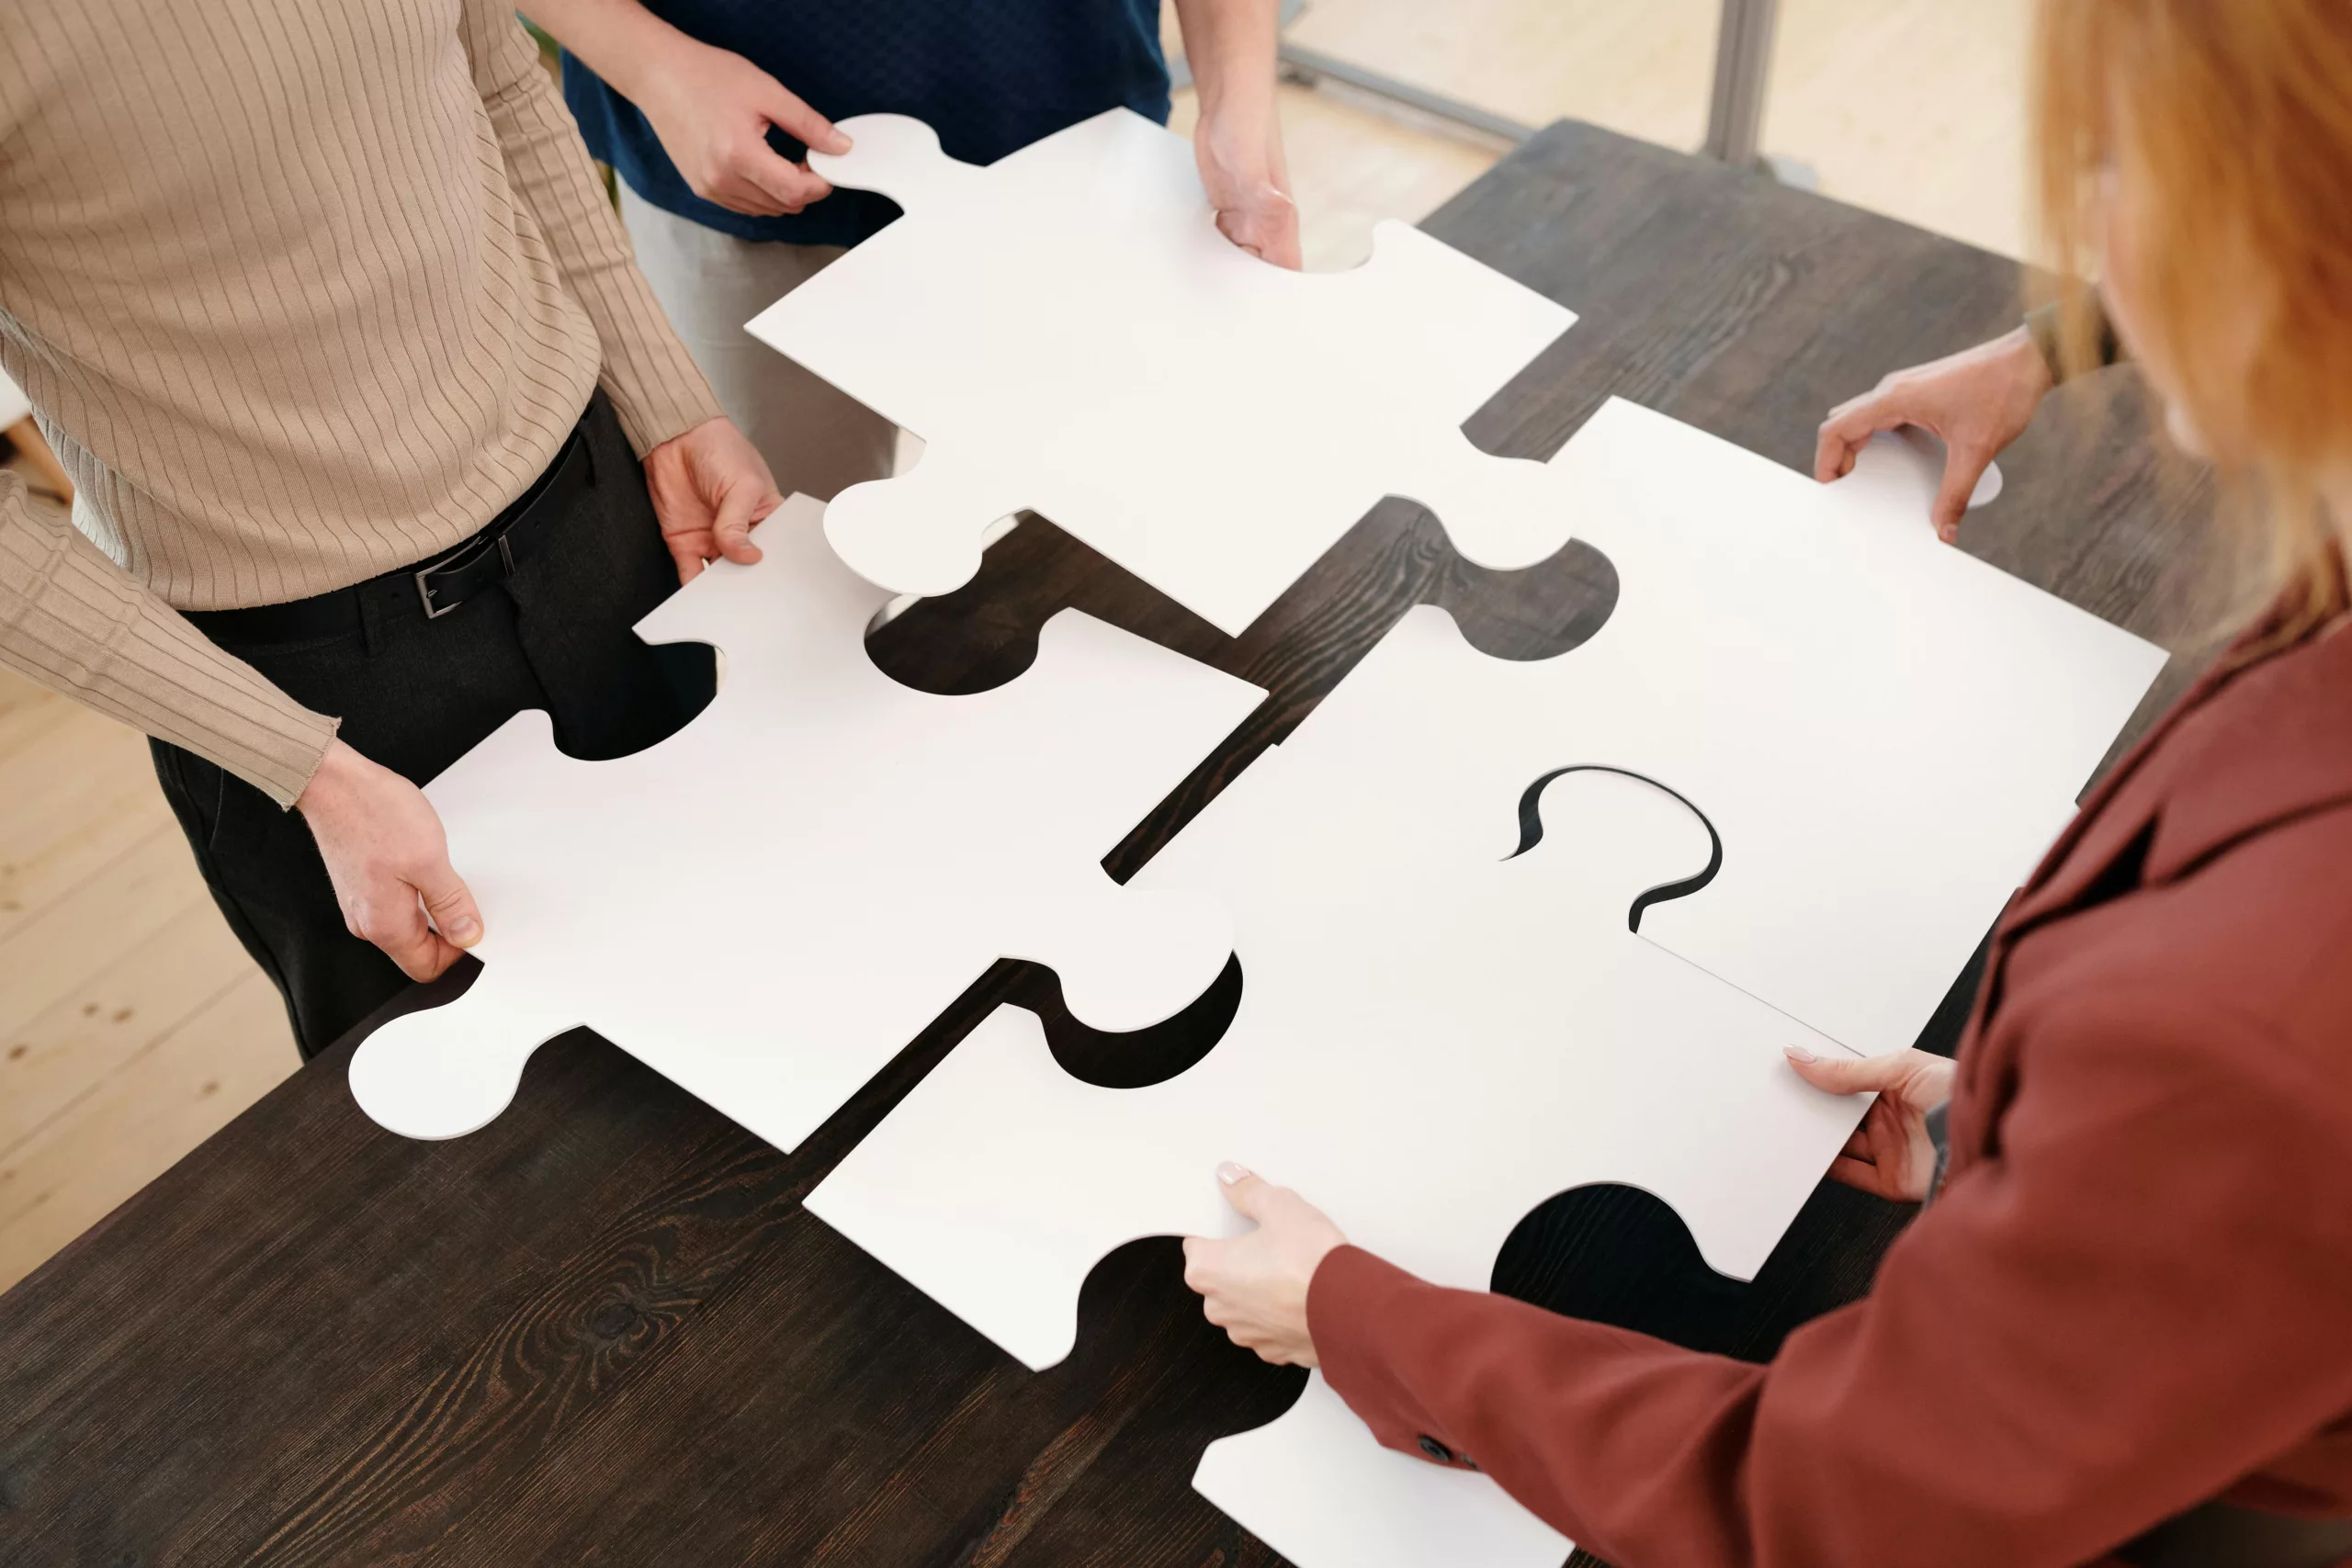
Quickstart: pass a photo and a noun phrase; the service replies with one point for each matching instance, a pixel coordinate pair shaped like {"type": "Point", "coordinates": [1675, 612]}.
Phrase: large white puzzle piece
{"type": "Point", "coordinates": [1067, 332]}
{"type": "Point", "coordinates": [768, 905]}
{"type": "Point", "coordinates": [1437, 1032]}
{"type": "Point", "coordinates": [1432, 1039]}
{"type": "Point", "coordinates": [1886, 731]}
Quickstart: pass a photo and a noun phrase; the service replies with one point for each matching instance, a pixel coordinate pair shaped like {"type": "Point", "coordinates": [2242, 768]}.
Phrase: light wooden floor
{"type": "Point", "coordinates": [131, 1024]}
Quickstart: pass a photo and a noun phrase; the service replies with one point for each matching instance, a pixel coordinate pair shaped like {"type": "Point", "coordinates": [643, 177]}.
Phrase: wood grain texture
{"type": "Point", "coordinates": [50, 1061]}
{"type": "Point", "coordinates": [79, 791]}
{"type": "Point", "coordinates": [197, 1074]}
{"type": "Point", "coordinates": [603, 1330]}
{"type": "Point", "coordinates": [115, 974]}
{"type": "Point", "coordinates": [113, 912]}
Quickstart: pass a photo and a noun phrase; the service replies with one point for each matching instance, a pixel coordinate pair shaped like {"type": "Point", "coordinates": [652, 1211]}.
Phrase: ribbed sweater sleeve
{"type": "Point", "coordinates": [652, 381]}
{"type": "Point", "coordinates": [306, 291]}
{"type": "Point", "coordinates": [74, 621]}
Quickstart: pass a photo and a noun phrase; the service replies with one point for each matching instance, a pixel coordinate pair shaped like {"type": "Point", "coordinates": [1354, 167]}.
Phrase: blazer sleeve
{"type": "Point", "coordinates": [2138, 1299]}
{"type": "Point", "coordinates": [656, 389]}
{"type": "Point", "coordinates": [2046, 324]}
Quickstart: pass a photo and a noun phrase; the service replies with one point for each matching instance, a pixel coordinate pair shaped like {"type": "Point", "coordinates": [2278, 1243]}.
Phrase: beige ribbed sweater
{"type": "Point", "coordinates": [303, 290]}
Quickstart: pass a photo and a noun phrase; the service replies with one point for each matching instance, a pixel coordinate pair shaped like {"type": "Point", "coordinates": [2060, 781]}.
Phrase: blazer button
{"type": "Point", "coordinates": [1437, 1450]}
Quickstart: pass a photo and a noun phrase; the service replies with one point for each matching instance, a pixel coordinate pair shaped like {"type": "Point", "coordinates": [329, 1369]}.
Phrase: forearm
{"type": "Point", "coordinates": [1237, 140]}
{"type": "Point", "coordinates": [71, 621]}
{"type": "Point", "coordinates": [655, 387]}
{"type": "Point", "coordinates": [1230, 46]}
{"type": "Point", "coordinates": [1589, 1427]}
{"type": "Point", "coordinates": [620, 41]}
{"type": "Point", "coordinates": [1837, 1455]}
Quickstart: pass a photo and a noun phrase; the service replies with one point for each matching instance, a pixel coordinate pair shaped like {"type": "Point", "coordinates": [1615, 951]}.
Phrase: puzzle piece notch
{"type": "Point", "coordinates": [1500, 512]}
{"type": "Point", "coordinates": [886, 847]}
{"type": "Point", "coordinates": [1002, 323]}
{"type": "Point", "coordinates": [1377, 1508]}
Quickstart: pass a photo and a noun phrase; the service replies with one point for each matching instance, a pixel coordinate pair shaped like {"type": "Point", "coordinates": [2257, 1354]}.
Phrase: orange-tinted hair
{"type": "Point", "coordinates": [2234, 117]}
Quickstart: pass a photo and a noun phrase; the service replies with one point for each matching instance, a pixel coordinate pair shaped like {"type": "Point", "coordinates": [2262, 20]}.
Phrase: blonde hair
{"type": "Point", "coordinates": [2233, 119]}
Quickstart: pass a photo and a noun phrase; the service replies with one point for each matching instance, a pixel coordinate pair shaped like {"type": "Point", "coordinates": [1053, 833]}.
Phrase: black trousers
{"type": "Point", "coordinates": [415, 694]}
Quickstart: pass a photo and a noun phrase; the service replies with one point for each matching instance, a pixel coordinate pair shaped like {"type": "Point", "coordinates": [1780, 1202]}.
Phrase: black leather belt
{"type": "Point", "coordinates": [423, 592]}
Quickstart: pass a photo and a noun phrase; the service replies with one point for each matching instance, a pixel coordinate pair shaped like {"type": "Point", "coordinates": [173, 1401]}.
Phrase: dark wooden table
{"type": "Point", "coordinates": [604, 1329]}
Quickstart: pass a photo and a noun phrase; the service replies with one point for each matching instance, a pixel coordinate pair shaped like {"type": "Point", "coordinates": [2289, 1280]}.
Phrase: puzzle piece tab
{"type": "Point", "coordinates": [768, 905]}
{"type": "Point", "coordinates": [1067, 332]}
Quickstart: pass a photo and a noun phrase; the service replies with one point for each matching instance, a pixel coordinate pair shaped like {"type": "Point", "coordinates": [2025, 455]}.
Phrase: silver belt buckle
{"type": "Point", "coordinates": [425, 593]}
{"type": "Point", "coordinates": [464, 553]}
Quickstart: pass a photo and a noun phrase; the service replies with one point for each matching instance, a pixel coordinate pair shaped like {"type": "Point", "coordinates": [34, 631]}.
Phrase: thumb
{"type": "Point", "coordinates": [1259, 221]}
{"type": "Point", "coordinates": [450, 902]}
{"type": "Point", "coordinates": [1846, 1075]}
{"type": "Point", "coordinates": [1964, 465]}
{"type": "Point", "coordinates": [1248, 1193]}
{"type": "Point", "coordinates": [1282, 245]}
{"type": "Point", "coordinates": [740, 506]}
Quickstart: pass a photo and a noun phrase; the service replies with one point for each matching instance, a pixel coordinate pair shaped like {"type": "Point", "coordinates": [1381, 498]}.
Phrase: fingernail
{"type": "Point", "coordinates": [463, 930]}
{"type": "Point", "coordinates": [1230, 1173]}
{"type": "Point", "coordinates": [1798, 1054]}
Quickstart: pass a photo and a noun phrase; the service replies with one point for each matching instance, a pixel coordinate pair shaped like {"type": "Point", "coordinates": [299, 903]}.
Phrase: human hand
{"type": "Point", "coordinates": [711, 109]}
{"type": "Point", "coordinates": [1255, 1285]}
{"type": "Point", "coordinates": [1890, 1154]}
{"type": "Point", "coordinates": [1976, 401]}
{"type": "Point", "coordinates": [1240, 157]}
{"type": "Point", "coordinates": [708, 487]}
{"type": "Point", "coordinates": [389, 861]}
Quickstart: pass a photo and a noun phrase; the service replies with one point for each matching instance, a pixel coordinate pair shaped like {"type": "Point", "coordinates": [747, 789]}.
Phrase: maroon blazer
{"type": "Point", "coordinates": [2133, 1292]}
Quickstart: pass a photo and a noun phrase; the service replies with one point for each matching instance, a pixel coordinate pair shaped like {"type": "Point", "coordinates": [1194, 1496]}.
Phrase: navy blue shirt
{"type": "Point", "coordinates": [989, 75]}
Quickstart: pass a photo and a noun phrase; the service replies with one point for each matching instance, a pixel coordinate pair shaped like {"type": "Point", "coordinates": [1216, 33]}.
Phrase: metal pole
{"type": "Point", "coordinates": [1308, 66]}
{"type": "Point", "coordinates": [1743, 62]}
